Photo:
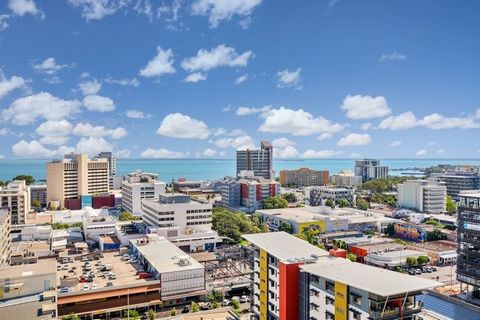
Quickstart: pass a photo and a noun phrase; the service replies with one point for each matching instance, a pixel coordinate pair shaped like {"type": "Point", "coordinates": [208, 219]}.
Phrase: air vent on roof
{"type": "Point", "coordinates": [183, 262]}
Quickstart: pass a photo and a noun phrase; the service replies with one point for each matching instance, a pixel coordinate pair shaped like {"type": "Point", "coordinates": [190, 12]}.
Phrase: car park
{"type": "Point", "coordinates": [418, 271]}
{"type": "Point", "coordinates": [412, 272]}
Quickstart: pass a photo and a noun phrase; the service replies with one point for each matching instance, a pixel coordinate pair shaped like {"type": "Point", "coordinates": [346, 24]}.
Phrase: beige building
{"type": "Point", "coordinates": [74, 176]}
{"type": "Point", "coordinates": [304, 177]}
{"type": "Point", "coordinates": [5, 242]}
{"type": "Point", "coordinates": [16, 197]}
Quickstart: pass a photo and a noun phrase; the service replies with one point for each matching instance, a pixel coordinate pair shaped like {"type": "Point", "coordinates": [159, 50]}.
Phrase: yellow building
{"type": "Point", "coordinates": [74, 176]}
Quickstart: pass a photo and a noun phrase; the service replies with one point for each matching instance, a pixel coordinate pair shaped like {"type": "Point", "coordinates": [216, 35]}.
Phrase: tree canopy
{"type": "Point", "coordinates": [275, 202]}
{"type": "Point", "coordinates": [451, 205]}
{"type": "Point", "coordinates": [127, 216]}
{"type": "Point", "coordinates": [362, 204]}
{"type": "Point", "coordinates": [330, 203]}
{"type": "Point", "coordinates": [290, 197]}
{"type": "Point", "coordinates": [343, 203]}
{"type": "Point", "coordinates": [28, 179]}
{"type": "Point", "coordinates": [233, 224]}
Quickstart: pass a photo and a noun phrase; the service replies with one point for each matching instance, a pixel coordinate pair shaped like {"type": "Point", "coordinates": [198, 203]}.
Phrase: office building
{"type": "Point", "coordinates": [303, 177]}
{"type": "Point", "coordinates": [318, 195]}
{"type": "Point", "coordinates": [260, 161]}
{"type": "Point", "coordinates": [16, 197]}
{"type": "Point", "coordinates": [75, 179]}
{"type": "Point", "coordinates": [346, 179]}
{"type": "Point", "coordinates": [140, 185]}
{"type": "Point", "coordinates": [5, 241]}
{"type": "Point", "coordinates": [468, 238]}
{"type": "Point", "coordinates": [294, 280]}
{"type": "Point", "coordinates": [29, 292]}
{"type": "Point", "coordinates": [112, 166]}
{"type": "Point", "coordinates": [423, 195]}
{"type": "Point", "coordinates": [183, 221]}
{"type": "Point", "coordinates": [38, 192]}
{"type": "Point", "coordinates": [180, 275]}
{"type": "Point", "coordinates": [370, 169]}
{"type": "Point", "coordinates": [457, 182]}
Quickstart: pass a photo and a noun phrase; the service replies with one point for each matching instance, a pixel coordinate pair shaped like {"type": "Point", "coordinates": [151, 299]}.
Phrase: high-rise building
{"type": "Point", "coordinates": [248, 194]}
{"type": "Point", "coordinates": [140, 185]}
{"type": "Point", "coordinates": [38, 192]}
{"type": "Point", "coordinates": [457, 182]}
{"type": "Point", "coordinates": [260, 161]}
{"type": "Point", "coordinates": [468, 238]}
{"type": "Point", "coordinates": [423, 195]}
{"type": "Point", "coordinates": [303, 177]}
{"type": "Point", "coordinates": [112, 165]}
{"type": "Point", "coordinates": [370, 169]}
{"type": "Point", "coordinates": [16, 197]}
{"type": "Point", "coordinates": [76, 176]}
{"type": "Point", "coordinates": [5, 241]}
{"type": "Point", "coordinates": [294, 280]}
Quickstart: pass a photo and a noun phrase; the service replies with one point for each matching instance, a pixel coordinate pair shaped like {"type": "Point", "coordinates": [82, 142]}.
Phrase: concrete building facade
{"type": "Point", "coordinates": [112, 166]}
{"type": "Point", "coordinates": [423, 195]}
{"type": "Point", "coordinates": [140, 185]}
{"type": "Point", "coordinates": [260, 161]}
{"type": "Point", "coordinates": [304, 177]}
{"type": "Point", "coordinates": [76, 176]}
{"type": "Point", "coordinates": [317, 195]}
{"type": "Point", "coordinates": [457, 182]}
{"type": "Point", "coordinates": [16, 197]}
{"type": "Point", "coordinates": [38, 192]}
{"type": "Point", "coordinates": [346, 179]}
{"type": "Point", "coordinates": [370, 169]}
{"type": "Point", "coordinates": [5, 240]}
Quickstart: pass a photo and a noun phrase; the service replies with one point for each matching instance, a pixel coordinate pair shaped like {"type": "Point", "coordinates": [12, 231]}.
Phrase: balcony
{"type": "Point", "coordinates": [394, 312]}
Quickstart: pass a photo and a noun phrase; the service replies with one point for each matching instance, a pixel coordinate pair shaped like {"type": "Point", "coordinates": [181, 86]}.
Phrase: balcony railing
{"type": "Point", "coordinates": [393, 313]}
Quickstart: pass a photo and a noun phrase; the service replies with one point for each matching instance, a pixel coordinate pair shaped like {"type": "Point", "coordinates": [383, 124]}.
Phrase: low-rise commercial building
{"type": "Point", "coordinates": [303, 177]}
{"type": "Point", "coordinates": [140, 185]}
{"type": "Point", "coordinates": [391, 259]}
{"type": "Point", "coordinates": [182, 220]}
{"type": "Point", "coordinates": [318, 195]}
{"type": "Point", "coordinates": [95, 225]}
{"type": "Point", "coordinates": [16, 197]}
{"type": "Point", "coordinates": [423, 195]}
{"type": "Point", "coordinates": [29, 292]}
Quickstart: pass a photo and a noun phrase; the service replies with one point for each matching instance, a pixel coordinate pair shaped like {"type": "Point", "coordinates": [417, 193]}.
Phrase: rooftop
{"type": "Point", "coordinates": [304, 214]}
{"type": "Point", "coordinates": [470, 193]}
{"type": "Point", "coordinates": [165, 256]}
{"type": "Point", "coordinates": [375, 280]}
{"type": "Point", "coordinates": [25, 270]}
{"type": "Point", "coordinates": [284, 246]}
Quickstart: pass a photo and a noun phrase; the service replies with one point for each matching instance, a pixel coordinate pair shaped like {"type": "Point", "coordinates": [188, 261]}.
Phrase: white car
{"type": "Point", "coordinates": [85, 287]}
{"type": "Point", "coordinates": [126, 257]}
{"type": "Point", "coordinates": [243, 299]}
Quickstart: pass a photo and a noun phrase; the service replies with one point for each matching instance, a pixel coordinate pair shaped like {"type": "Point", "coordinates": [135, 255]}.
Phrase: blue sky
{"type": "Point", "coordinates": [201, 78]}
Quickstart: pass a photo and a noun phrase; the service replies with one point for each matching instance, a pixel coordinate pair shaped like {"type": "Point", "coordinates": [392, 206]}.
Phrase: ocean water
{"type": "Point", "coordinates": [206, 169]}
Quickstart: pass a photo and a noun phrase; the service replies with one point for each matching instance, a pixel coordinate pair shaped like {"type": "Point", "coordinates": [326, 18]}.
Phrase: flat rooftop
{"type": "Point", "coordinates": [305, 214]}
{"type": "Point", "coordinates": [46, 266]}
{"type": "Point", "coordinates": [375, 280]}
{"type": "Point", "coordinates": [285, 247]}
{"type": "Point", "coordinates": [165, 256]}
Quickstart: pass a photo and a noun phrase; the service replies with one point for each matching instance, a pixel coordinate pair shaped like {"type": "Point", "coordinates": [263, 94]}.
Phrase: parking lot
{"type": "Point", "coordinates": [124, 273]}
{"type": "Point", "coordinates": [443, 274]}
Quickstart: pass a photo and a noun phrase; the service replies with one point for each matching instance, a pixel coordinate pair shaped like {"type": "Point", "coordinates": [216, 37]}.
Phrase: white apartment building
{"type": "Point", "coordinates": [140, 185]}
{"type": "Point", "coordinates": [423, 195]}
{"type": "Point", "coordinates": [317, 195]}
{"type": "Point", "coordinates": [76, 176]}
{"type": "Point", "coordinates": [346, 179]}
{"type": "Point", "coordinates": [16, 197]}
{"type": "Point", "coordinates": [5, 240]}
{"type": "Point", "coordinates": [183, 221]}
{"type": "Point", "coordinates": [180, 275]}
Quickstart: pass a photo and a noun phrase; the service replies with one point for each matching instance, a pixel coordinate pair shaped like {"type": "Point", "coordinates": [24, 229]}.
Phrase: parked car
{"type": "Point", "coordinates": [205, 305]}
{"type": "Point", "coordinates": [112, 276]}
{"type": "Point", "coordinates": [106, 267]}
{"type": "Point", "coordinates": [126, 257]}
{"type": "Point", "coordinates": [65, 290]}
{"type": "Point", "coordinates": [85, 287]}
{"type": "Point", "coordinates": [109, 284]}
{"type": "Point", "coordinates": [418, 271]}
{"type": "Point", "coordinates": [185, 309]}
{"type": "Point", "coordinates": [243, 299]}
{"type": "Point", "coordinates": [65, 260]}
{"type": "Point", "coordinates": [84, 259]}
{"type": "Point", "coordinates": [143, 275]}
{"type": "Point", "coordinates": [226, 303]}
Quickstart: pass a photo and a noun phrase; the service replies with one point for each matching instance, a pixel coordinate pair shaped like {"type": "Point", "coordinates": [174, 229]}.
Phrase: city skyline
{"type": "Point", "coordinates": [201, 78]}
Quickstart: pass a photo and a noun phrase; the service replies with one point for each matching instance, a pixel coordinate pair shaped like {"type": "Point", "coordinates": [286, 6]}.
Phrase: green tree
{"type": "Point", "coordinates": [36, 203]}
{"type": "Point", "coordinates": [285, 226]}
{"type": "Point", "coordinates": [290, 197]}
{"type": "Point", "coordinates": [2, 183]}
{"type": "Point", "coordinates": [132, 314]}
{"type": "Point", "coordinates": [451, 206]}
{"type": "Point", "coordinates": [361, 203]}
{"type": "Point", "coordinates": [194, 307]}
{"type": "Point", "coordinates": [236, 305]}
{"type": "Point", "coordinates": [398, 269]}
{"type": "Point", "coordinates": [215, 305]}
{"type": "Point", "coordinates": [232, 224]}
{"type": "Point", "coordinates": [411, 261]}
{"type": "Point", "coordinates": [256, 219]}
{"type": "Point", "coordinates": [436, 235]}
{"type": "Point", "coordinates": [422, 260]}
{"type": "Point", "coordinates": [351, 257]}
{"type": "Point", "coordinates": [343, 203]}
{"type": "Point", "coordinates": [275, 202]}
{"type": "Point", "coordinates": [71, 316]}
{"type": "Point", "coordinates": [330, 203]}
{"type": "Point", "coordinates": [151, 314]}
{"type": "Point", "coordinates": [173, 312]}
{"type": "Point", "coordinates": [127, 216]}
{"type": "Point", "coordinates": [375, 186]}
{"type": "Point", "coordinates": [28, 179]}
{"type": "Point", "coordinates": [390, 231]}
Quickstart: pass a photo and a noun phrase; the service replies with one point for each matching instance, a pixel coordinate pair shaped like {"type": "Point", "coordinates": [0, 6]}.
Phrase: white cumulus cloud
{"type": "Point", "coordinates": [241, 79]}
{"type": "Point", "coordinates": [9, 85]}
{"type": "Point", "coordinates": [23, 7]}
{"type": "Point", "coordinates": [245, 111]}
{"type": "Point", "coordinates": [355, 139]}
{"type": "Point", "coordinates": [90, 87]}
{"type": "Point", "coordinates": [365, 107]}
{"type": "Point", "coordinates": [319, 154]}
{"type": "Point", "coordinates": [98, 9]}
{"type": "Point", "coordinates": [161, 64]}
{"type": "Point", "coordinates": [89, 130]}
{"type": "Point", "coordinates": [403, 121]}
{"type": "Point", "coordinates": [50, 66]}
{"type": "Point", "coordinates": [137, 114]}
{"type": "Point", "coordinates": [196, 77]}
{"type": "Point", "coordinates": [32, 150]}
{"type": "Point", "coordinates": [98, 103]}
{"type": "Point", "coordinates": [151, 153]}
{"type": "Point", "coordinates": [209, 152]}
{"type": "Point", "coordinates": [287, 152]}
{"type": "Point", "coordinates": [133, 82]}
{"type": "Point", "coordinates": [289, 78]}
{"type": "Point", "coordinates": [93, 145]}
{"type": "Point", "coordinates": [177, 125]}
{"type": "Point", "coordinates": [122, 154]}
{"type": "Point", "coordinates": [55, 128]}
{"type": "Point", "coordinates": [27, 110]}
{"type": "Point", "coordinates": [220, 56]}
{"type": "Point", "coordinates": [296, 122]}
{"type": "Point", "coordinates": [282, 143]}
{"type": "Point", "coordinates": [219, 10]}
{"type": "Point", "coordinates": [242, 142]}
